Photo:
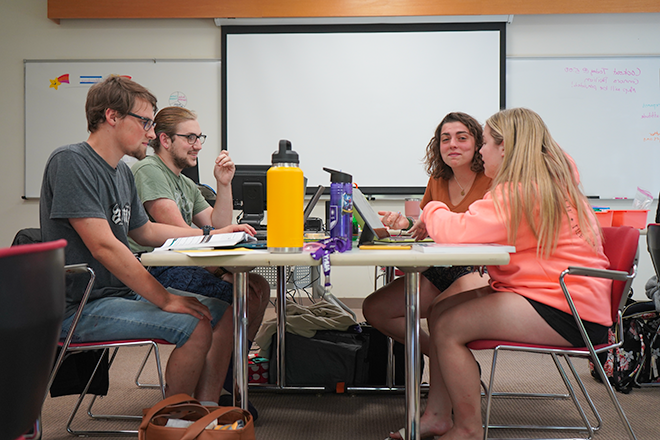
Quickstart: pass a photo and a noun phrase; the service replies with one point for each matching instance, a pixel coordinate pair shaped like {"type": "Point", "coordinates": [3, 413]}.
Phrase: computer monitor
{"type": "Point", "coordinates": [248, 189]}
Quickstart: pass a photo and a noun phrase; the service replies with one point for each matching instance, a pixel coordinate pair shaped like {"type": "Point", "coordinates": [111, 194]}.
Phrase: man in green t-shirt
{"type": "Point", "coordinates": [173, 198]}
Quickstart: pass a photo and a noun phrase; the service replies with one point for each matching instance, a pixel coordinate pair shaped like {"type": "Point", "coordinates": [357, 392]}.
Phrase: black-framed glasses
{"type": "Point", "coordinates": [146, 122]}
{"type": "Point", "coordinates": [192, 138]}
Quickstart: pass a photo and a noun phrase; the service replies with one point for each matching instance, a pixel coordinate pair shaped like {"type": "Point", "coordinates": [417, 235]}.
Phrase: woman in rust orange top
{"type": "Point", "coordinates": [457, 179]}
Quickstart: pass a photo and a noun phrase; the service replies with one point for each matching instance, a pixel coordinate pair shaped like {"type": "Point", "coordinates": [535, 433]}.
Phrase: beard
{"type": "Point", "coordinates": [182, 162]}
{"type": "Point", "coordinates": [139, 153]}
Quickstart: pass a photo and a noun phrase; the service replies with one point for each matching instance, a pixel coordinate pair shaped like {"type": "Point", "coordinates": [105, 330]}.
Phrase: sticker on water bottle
{"type": "Point", "coordinates": [347, 203]}
{"type": "Point", "coordinates": [334, 217]}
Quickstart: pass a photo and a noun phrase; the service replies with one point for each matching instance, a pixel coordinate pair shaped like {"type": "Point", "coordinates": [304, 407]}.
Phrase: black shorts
{"type": "Point", "coordinates": [442, 277]}
{"type": "Point", "coordinates": [564, 324]}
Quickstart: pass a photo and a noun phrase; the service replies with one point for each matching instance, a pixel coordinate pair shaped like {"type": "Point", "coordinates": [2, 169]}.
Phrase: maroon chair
{"type": "Point", "coordinates": [32, 292]}
{"type": "Point", "coordinates": [68, 348]}
{"type": "Point", "coordinates": [620, 246]}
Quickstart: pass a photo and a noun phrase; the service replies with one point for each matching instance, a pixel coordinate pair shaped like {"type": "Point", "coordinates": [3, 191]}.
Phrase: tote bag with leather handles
{"type": "Point", "coordinates": [184, 407]}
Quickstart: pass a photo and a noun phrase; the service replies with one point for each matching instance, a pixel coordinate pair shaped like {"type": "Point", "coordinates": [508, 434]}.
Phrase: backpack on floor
{"type": "Point", "coordinates": [635, 363]}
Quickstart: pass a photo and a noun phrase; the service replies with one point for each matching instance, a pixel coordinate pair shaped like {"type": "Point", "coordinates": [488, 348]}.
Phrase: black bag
{"type": "Point", "coordinates": [327, 359]}
{"type": "Point", "coordinates": [377, 359]}
{"type": "Point", "coordinates": [75, 371]}
{"type": "Point", "coordinates": [636, 362]}
{"type": "Point", "coordinates": [356, 357]}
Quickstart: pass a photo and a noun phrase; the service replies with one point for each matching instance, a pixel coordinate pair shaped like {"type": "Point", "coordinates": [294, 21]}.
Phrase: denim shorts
{"type": "Point", "coordinates": [443, 277]}
{"type": "Point", "coordinates": [194, 279]}
{"type": "Point", "coordinates": [133, 317]}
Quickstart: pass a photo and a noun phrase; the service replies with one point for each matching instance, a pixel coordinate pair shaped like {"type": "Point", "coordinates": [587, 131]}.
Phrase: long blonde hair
{"type": "Point", "coordinates": [538, 181]}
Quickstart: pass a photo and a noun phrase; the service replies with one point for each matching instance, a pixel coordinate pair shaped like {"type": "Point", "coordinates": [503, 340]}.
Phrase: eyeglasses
{"type": "Point", "coordinates": [192, 138]}
{"type": "Point", "coordinates": [146, 122]}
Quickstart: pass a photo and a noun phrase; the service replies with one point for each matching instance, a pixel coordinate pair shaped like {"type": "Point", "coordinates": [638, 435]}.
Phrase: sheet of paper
{"type": "Point", "coordinates": [446, 248]}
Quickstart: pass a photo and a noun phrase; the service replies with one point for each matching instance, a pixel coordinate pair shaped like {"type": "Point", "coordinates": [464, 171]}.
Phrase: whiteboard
{"type": "Point", "coordinates": [361, 99]}
{"type": "Point", "coordinates": [604, 111]}
{"type": "Point", "coordinates": [55, 94]}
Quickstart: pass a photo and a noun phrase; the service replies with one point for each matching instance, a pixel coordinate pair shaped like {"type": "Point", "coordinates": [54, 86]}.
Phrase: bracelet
{"type": "Point", "coordinates": [410, 223]}
{"type": "Point", "coordinates": [206, 229]}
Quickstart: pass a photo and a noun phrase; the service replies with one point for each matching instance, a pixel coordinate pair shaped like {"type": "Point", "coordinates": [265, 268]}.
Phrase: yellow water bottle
{"type": "Point", "coordinates": [285, 196]}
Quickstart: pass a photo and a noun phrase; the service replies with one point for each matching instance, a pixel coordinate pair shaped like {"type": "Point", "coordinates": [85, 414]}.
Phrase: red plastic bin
{"type": "Point", "coordinates": [630, 217]}
{"type": "Point", "coordinates": [605, 218]}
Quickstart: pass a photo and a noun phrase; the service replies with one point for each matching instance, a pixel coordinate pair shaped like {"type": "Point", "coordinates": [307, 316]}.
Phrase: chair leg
{"type": "Point", "coordinates": [79, 402]}
{"type": "Point", "coordinates": [141, 369]}
{"type": "Point", "coordinates": [489, 393]}
{"type": "Point", "coordinates": [91, 414]}
{"type": "Point", "coordinates": [34, 433]}
{"type": "Point", "coordinates": [586, 395]}
{"type": "Point", "coordinates": [153, 347]}
{"type": "Point", "coordinates": [576, 402]}
{"type": "Point", "coordinates": [588, 428]}
{"type": "Point", "coordinates": [610, 391]}
{"type": "Point", "coordinates": [156, 351]}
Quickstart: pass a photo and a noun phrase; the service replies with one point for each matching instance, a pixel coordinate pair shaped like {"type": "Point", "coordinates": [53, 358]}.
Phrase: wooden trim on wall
{"type": "Point", "coordinates": [65, 9]}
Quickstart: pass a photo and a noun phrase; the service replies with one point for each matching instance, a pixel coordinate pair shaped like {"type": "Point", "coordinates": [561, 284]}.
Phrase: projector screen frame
{"type": "Point", "coordinates": [415, 189]}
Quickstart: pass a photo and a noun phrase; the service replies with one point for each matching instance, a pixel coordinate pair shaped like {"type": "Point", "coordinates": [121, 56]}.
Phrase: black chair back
{"type": "Point", "coordinates": [653, 245]}
{"type": "Point", "coordinates": [32, 295]}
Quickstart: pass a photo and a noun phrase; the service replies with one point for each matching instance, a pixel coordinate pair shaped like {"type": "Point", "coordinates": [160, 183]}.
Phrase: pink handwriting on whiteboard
{"type": "Point", "coordinates": [603, 79]}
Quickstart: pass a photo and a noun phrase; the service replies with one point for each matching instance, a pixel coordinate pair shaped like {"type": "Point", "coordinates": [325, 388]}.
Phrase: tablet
{"type": "Point", "coordinates": [373, 228]}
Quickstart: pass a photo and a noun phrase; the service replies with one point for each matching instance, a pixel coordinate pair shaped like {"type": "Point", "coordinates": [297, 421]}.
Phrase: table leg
{"type": "Point", "coordinates": [240, 339]}
{"type": "Point", "coordinates": [281, 326]}
{"type": "Point", "coordinates": [413, 357]}
{"type": "Point", "coordinates": [389, 375]}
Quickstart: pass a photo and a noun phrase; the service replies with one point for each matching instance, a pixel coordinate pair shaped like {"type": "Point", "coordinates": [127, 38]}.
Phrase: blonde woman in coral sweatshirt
{"type": "Point", "coordinates": [536, 205]}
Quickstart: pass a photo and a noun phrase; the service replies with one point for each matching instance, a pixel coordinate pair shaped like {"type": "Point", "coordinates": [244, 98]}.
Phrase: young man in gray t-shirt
{"type": "Point", "coordinates": [88, 197]}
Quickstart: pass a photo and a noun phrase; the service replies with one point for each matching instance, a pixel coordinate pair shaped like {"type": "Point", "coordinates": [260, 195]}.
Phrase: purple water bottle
{"type": "Point", "coordinates": [341, 208]}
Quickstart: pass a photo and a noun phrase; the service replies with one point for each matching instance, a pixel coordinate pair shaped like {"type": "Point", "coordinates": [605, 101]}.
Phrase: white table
{"type": "Point", "coordinates": [411, 262]}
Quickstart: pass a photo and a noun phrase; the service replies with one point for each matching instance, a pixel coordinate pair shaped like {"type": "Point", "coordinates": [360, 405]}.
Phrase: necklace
{"type": "Point", "coordinates": [460, 186]}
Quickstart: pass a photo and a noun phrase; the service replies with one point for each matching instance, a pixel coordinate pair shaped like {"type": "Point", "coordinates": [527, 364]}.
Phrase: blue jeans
{"type": "Point", "coordinates": [121, 318]}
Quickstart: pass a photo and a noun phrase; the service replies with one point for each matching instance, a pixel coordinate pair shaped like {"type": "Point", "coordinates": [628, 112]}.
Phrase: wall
{"type": "Point", "coordinates": [27, 33]}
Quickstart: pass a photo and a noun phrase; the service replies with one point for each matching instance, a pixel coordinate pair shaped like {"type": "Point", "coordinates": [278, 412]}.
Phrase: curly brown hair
{"type": "Point", "coordinates": [435, 166]}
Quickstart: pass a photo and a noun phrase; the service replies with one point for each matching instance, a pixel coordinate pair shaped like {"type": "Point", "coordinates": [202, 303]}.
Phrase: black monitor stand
{"type": "Point", "coordinates": [253, 200]}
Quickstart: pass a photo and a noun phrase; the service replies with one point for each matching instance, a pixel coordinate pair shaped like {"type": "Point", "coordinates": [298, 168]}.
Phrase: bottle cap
{"type": "Point", "coordinates": [338, 176]}
{"type": "Point", "coordinates": [285, 153]}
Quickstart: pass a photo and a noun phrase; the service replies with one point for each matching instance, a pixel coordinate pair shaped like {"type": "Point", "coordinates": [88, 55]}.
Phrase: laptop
{"type": "Point", "coordinates": [312, 203]}
{"type": "Point", "coordinates": [262, 235]}
{"type": "Point", "coordinates": [373, 229]}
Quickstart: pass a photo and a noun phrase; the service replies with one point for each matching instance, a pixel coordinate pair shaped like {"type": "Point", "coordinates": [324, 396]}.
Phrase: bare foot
{"type": "Point", "coordinates": [427, 430]}
{"type": "Point", "coordinates": [462, 434]}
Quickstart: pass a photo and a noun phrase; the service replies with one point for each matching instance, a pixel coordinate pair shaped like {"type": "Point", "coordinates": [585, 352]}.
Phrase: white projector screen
{"type": "Point", "coordinates": [363, 99]}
